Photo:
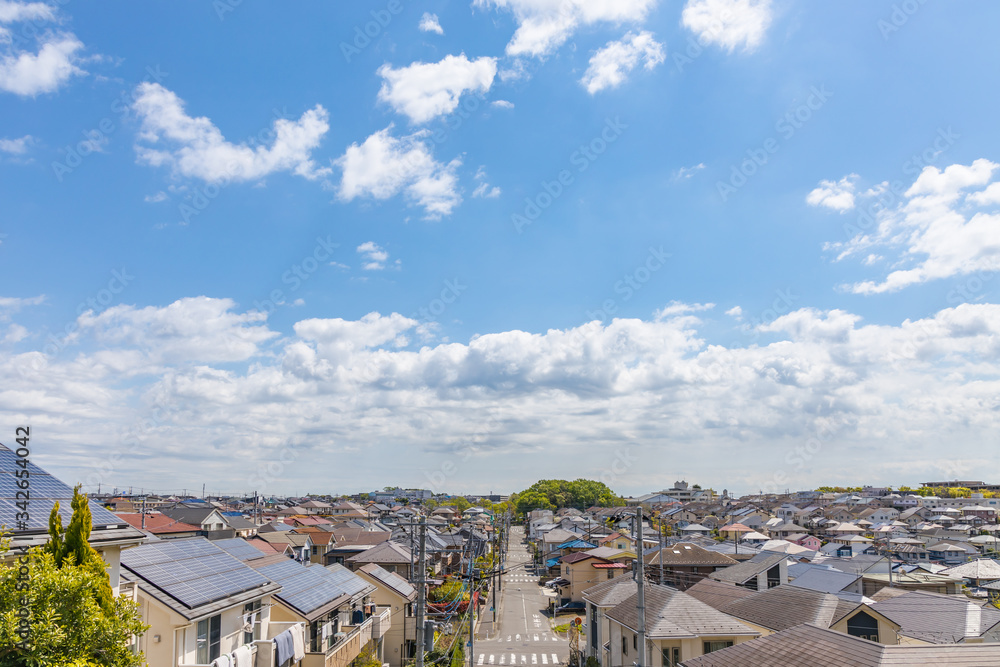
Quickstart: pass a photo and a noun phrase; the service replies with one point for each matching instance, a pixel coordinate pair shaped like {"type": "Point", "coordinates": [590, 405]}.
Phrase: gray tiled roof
{"type": "Point", "coordinates": [938, 619]}
{"type": "Point", "coordinates": [737, 574]}
{"type": "Point", "coordinates": [811, 646]}
{"type": "Point", "coordinates": [687, 554]}
{"type": "Point", "coordinates": [784, 607]}
{"type": "Point", "coordinates": [611, 592]}
{"type": "Point", "coordinates": [671, 614]}
{"type": "Point", "coordinates": [717, 594]}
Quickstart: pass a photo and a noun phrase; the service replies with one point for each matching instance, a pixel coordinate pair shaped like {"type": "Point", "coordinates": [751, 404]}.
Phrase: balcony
{"type": "Point", "coordinates": [381, 622]}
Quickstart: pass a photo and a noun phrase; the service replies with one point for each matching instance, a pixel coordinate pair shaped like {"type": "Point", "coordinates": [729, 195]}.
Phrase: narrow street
{"type": "Point", "coordinates": [523, 635]}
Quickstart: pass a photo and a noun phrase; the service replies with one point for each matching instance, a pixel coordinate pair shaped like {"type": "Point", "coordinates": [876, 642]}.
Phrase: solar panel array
{"type": "Point", "coordinates": [309, 588]}
{"type": "Point", "coordinates": [193, 571]}
{"type": "Point", "coordinates": [43, 492]}
{"type": "Point", "coordinates": [239, 548]}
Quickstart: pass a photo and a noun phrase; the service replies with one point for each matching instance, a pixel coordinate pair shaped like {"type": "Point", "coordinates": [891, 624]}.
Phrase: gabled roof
{"type": "Point", "coordinates": [671, 614]}
{"type": "Point", "coordinates": [577, 544]}
{"type": "Point", "coordinates": [938, 619]}
{"type": "Point", "coordinates": [386, 552]}
{"type": "Point", "coordinates": [784, 607]}
{"type": "Point", "coordinates": [983, 568]}
{"type": "Point", "coordinates": [801, 646]}
{"type": "Point", "coordinates": [312, 591]}
{"type": "Point", "coordinates": [159, 524]}
{"type": "Point", "coordinates": [825, 580]}
{"type": "Point", "coordinates": [687, 554]}
{"type": "Point", "coordinates": [578, 556]}
{"type": "Point", "coordinates": [717, 594]}
{"type": "Point", "coordinates": [737, 574]}
{"type": "Point", "coordinates": [390, 580]}
{"type": "Point", "coordinates": [193, 576]}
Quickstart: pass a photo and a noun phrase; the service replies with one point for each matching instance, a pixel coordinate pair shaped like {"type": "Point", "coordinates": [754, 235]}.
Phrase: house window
{"type": "Point", "coordinates": [624, 647]}
{"type": "Point", "coordinates": [863, 625]}
{"type": "Point", "coordinates": [209, 641]}
{"type": "Point", "coordinates": [671, 656]}
{"type": "Point", "coordinates": [635, 642]}
{"type": "Point", "coordinates": [716, 646]}
{"type": "Point", "coordinates": [249, 609]}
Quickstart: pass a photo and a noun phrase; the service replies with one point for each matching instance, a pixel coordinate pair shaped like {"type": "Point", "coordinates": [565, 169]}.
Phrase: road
{"type": "Point", "coordinates": [523, 635]}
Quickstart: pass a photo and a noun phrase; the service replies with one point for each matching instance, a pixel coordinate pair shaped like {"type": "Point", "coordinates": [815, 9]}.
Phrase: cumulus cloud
{"type": "Point", "coordinates": [384, 166]}
{"type": "Point", "coordinates": [730, 24]}
{"type": "Point", "coordinates": [16, 146]}
{"type": "Point", "coordinates": [333, 386]}
{"type": "Point", "coordinates": [424, 91]}
{"type": "Point", "coordinates": [835, 195]}
{"type": "Point", "coordinates": [946, 224]}
{"type": "Point", "coordinates": [429, 23]}
{"type": "Point", "coordinates": [27, 74]}
{"type": "Point", "coordinates": [373, 256]}
{"type": "Point", "coordinates": [196, 148]}
{"type": "Point", "coordinates": [545, 25]}
{"type": "Point", "coordinates": [484, 190]}
{"type": "Point", "coordinates": [502, 104]}
{"type": "Point", "coordinates": [611, 64]}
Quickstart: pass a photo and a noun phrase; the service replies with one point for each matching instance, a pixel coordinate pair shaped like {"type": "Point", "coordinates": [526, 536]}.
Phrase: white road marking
{"type": "Point", "coordinates": [534, 658]}
{"type": "Point", "coordinates": [545, 659]}
{"type": "Point", "coordinates": [536, 638]}
{"type": "Point", "coordinates": [524, 659]}
{"type": "Point", "coordinates": [518, 637]}
{"type": "Point", "coordinates": [503, 659]}
{"type": "Point", "coordinates": [554, 659]}
{"type": "Point", "coordinates": [482, 657]}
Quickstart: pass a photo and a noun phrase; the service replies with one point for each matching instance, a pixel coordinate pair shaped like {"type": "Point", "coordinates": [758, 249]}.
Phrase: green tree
{"type": "Point", "coordinates": [74, 619]}
{"type": "Point", "coordinates": [558, 493]}
{"type": "Point", "coordinates": [459, 503]}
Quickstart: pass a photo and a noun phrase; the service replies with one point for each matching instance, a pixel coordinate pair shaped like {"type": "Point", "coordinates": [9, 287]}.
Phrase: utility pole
{"type": "Point", "coordinates": [641, 597]}
{"type": "Point", "coordinates": [144, 512]}
{"type": "Point", "coordinates": [421, 601]}
{"type": "Point", "coordinates": [659, 530]}
{"type": "Point", "coordinates": [472, 607]}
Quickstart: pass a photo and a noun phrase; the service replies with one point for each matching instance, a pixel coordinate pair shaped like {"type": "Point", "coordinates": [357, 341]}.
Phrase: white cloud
{"type": "Point", "coordinates": [12, 12]}
{"type": "Point", "coordinates": [836, 195]}
{"type": "Point", "coordinates": [675, 308]}
{"type": "Point", "coordinates": [424, 91]}
{"type": "Point", "coordinates": [158, 197]}
{"type": "Point", "coordinates": [611, 64]}
{"type": "Point", "coordinates": [429, 23]}
{"type": "Point", "coordinates": [384, 166]}
{"type": "Point", "coordinates": [484, 190]}
{"type": "Point", "coordinates": [502, 104]}
{"type": "Point", "coordinates": [544, 25]}
{"type": "Point", "coordinates": [191, 330]}
{"type": "Point", "coordinates": [567, 400]}
{"type": "Point", "coordinates": [373, 255]}
{"type": "Point", "coordinates": [16, 146]}
{"type": "Point", "coordinates": [15, 334]}
{"type": "Point", "coordinates": [28, 74]}
{"type": "Point", "coordinates": [730, 24]}
{"type": "Point", "coordinates": [685, 173]}
{"type": "Point", "coordinates": [195, 148]}
{"type": "Point", "coordinates": [933, 229]}
{"type": "Point", "coordinates": [735, 312]}
{"type": "Point", "coordinates": [12, 304]}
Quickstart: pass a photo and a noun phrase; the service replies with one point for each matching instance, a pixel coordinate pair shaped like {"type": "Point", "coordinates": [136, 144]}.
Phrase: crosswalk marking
{"type": "Point", "coordinates": [545, 659]}
{"type": "Point", "coordinates": [534, 659]}
{"type": "Point", "coordinates": [536, 638]}
{"type": "Point", "coordinates": [518, 637]}
{"type": "Point", "coordinates": [554, 659]}
{"type": "Point", "coordinates": [524, 659]}
{"type": "Point", "coordinates": [481, 658]}
{"type": "Point", "coordinates": [491, 659]}
{"type": "Point", "coordinates": [503, 658]}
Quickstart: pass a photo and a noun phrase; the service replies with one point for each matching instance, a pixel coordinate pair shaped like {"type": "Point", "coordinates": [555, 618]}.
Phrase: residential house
{"type": "Point", "coordinates": [807, 645]}
{"type": "Point", "coordinates": [209, 518]}
{"type": "Point", "coordinates": [395, 593]}
{"type": "Point", "coordinates": [199, 601]}
{"type": "Point", "coordinates": [763, 571]}
{"type": "Point", "coordinates": [678, 627]}
{"type": "Point", "coordinates": [391, 556]}
{"type": "Point", "coordinates": [579, 571]}
{"type": "Point", "coordinates": [160, 525]}
{"type": "Point", "coordinates": [683, 565]}
{"type": "Point", "coordinates": [599, 599]}
{"type": "Point", "coordinates": [941, 619]}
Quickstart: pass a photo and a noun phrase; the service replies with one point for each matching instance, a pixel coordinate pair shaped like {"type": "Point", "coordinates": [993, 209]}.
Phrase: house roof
{"type": "Point", "coordinates": [386, 552]}
{"type": "Point", "coordinates": [823, 579]}
{"type": "Point", "coordinates": [717, 594]}
{"type": "Point", "coordinates": [983, 568]}
{"type": "Point", "coordinates": [312, 590]}
{"type": "Point", "coordinates": [671, 614]}
{"type": "Point", "coordinates": [390, 580]}
{"type": "Point", "coordinates": [611, 553]}
{"type": "Point", "coordinates": [938, 619]}
{"type": "Point", "coordinates": [159, 524]}
{"type": "Point", "coordinates": [737, 574]}
{"type": "Point", "coordinates": [687, 554]}
{"type": "Point", "coordinates": [578, 556]}
{"type": "Point", "coordinates": [784, 607]}
{"type": "Point", "coordinates": [611, 592]}
{"type": "Point", "coordinates": [193, 576]}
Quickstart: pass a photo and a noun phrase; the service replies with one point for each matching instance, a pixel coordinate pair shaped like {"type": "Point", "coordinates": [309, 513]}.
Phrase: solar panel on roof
{"type": "Point", "coordinates": [239, 548]}
{"type": "Point", "coordinates": [192, 571]}
{"type": "Point", "coordinates": [309, 588]}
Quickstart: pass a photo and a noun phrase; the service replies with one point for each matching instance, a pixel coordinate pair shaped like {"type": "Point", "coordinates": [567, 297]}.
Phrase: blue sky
{"type": "Point", "coordinates": [253, 246]}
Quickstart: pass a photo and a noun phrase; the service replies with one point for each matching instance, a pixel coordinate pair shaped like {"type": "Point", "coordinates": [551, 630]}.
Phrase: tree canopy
{"type": "Point", "coordinates": [64, 590]}
{"type": "Point", "coordinates": [558, 493]}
